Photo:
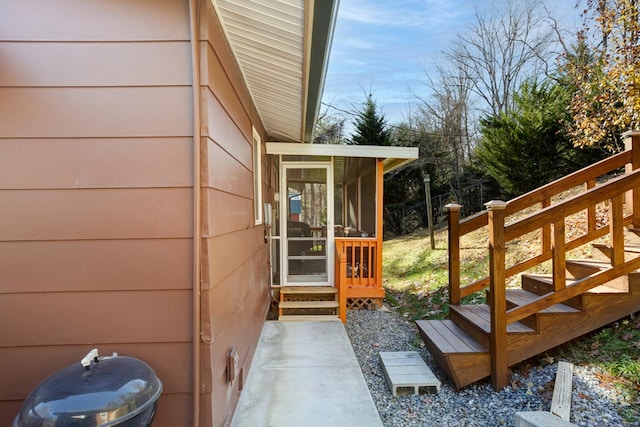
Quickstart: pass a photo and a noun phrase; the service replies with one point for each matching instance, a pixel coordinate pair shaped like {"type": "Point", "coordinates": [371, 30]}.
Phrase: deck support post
{"type": "Point", "coordinates": [453, 222]}
{"type": "Point", "coordinates": [559, 263]}
{"type": "Point", "coordinates": [497, 295]}
{"type": "Point", "coordinates": [591, 210]}
{"type": "Point", "coordinates": [616, 230]}
{"type": "Point", "coordinates": [546, 229]}
{"type": "Point", "coordinates": [632, 143]}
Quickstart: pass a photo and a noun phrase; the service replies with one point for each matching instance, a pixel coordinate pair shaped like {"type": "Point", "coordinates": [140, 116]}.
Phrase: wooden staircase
{"type": "Point", "coordinates": [308, 303]}
{"type": "Point", "coordinates": [461, 343]}
{"type": "Point", "coordinates": [579, 296]}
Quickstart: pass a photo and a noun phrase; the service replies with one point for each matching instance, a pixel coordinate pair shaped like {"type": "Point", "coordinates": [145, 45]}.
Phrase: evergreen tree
{"type": "Point", "coordinates": [371, 127]}
{"type": "Point", "coordinates": [528, 146]}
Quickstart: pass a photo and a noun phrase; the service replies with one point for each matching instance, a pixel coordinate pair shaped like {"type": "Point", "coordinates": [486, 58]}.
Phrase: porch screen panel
{"type": "Point", "coordinates": [307, 214]}
{"type": "Point", "coordinates": [368, 203]}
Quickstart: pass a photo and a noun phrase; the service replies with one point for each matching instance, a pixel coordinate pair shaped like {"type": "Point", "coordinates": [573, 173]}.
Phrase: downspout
{"type": "Point", "coordinates": [197, 249]}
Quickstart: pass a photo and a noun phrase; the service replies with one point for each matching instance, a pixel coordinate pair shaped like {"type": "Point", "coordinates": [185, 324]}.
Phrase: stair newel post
{"type": "Point", "coordinates": [497, 295]}
{"type": "Point", "coordinates": [632, 143]}
{"type": "Point", "coordinates": [342, 285]}
{"type": "Point", "coordinates": [559, 263]}
{"type": "Point", "coordinates": [453, 222]}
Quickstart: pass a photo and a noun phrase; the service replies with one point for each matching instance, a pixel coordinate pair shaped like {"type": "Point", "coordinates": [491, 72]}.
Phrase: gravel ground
{"type": "Point", "coordinates": [476, 405]}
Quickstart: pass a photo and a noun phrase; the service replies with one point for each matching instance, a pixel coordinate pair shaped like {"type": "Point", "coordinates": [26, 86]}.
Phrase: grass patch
{"type": "Point", "coordinates": [614, 349]}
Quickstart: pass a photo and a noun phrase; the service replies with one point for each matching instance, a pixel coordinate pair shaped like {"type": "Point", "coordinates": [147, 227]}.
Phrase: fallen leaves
{"type": "Point", "coordinates": [626, 337]}
{"type": "Point", "coordinates": [548, 359]}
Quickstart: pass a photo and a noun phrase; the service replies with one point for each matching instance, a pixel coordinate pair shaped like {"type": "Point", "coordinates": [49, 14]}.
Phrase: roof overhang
{"type": "Point", "coordinates": [282, 49]}
{"type": "Point", "coordinates": [393, 157]}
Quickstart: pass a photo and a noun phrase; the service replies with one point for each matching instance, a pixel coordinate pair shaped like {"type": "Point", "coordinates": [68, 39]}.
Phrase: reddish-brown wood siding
{"type": "Point", "coordinates": [235, 294]}
{"type": "Point", "coordinates": [50, 166]}
{"type": "Point", "coordinates": [96, 192]}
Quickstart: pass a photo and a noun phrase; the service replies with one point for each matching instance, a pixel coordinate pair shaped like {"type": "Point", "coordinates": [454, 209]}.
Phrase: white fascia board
{"type": "Point", "coordinates": [372, 151]}
{"type": "Point", "coordinates": [393, 157]}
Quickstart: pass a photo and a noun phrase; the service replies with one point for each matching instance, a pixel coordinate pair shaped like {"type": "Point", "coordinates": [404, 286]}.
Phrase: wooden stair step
{"type": "Point", "coordinates": [448, 337]}
{"type": "Point", "coordinates": [308, 290]}
{"type": "Point", "coordinates": [522, 297]}
{"type": "Point", "coordinates": [480, 316]}
{"type": "Point", "coordinates": [632, 235]}
{"type": "Point", "coordinates": [463, 358]}
{"type": "Point", "coordinates": [628, 247]}
{"type": "Point", "coordinates": [593, 264]}
{"type": "Point", "coordinates": [602, 251]}
{"type": "Point", "coordinates": [580, 268]}
{"type": "Point", "coordinates": [307, 304]}
{"type": "Point", "coordinates": [605, 289]}
{"type": "Point", "coordinates": [547, 280]}
{"type": "Point", "coordinates": [308, 318]}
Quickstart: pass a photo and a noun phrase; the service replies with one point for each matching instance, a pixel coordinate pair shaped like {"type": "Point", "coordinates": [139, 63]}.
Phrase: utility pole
{"type": "Point", "coordinates": [427, 192]}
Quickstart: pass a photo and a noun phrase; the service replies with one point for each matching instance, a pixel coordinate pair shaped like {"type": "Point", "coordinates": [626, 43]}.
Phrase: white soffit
{"type": "Point", "coordinates": [267, 38]}
{"type": "Point", "coordinates": [393, 157]}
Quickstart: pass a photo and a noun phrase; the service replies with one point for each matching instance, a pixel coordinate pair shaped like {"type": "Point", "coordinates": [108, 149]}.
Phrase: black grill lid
{"type": "Point", "coordinates": [103, 391]}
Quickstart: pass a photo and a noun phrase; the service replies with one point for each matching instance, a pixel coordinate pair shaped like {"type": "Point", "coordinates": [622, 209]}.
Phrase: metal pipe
{"type": "Point", "coordinates": [194, 21]}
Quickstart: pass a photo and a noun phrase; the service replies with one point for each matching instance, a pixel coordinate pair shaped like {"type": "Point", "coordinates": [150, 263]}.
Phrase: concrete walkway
{"type": "Point", "coordinates": [305, 374]}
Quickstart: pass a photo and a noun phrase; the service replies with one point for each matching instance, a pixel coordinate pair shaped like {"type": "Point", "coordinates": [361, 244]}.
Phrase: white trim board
{"type": "Point", "coordinates": [393, 157]}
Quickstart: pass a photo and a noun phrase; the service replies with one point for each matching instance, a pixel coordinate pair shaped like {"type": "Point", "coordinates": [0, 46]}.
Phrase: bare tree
{"type": "Point", "coordinates": [447, 112]}
{"type": "Point", "coordinates": [501, 49]}
{"type": "Point", "coordinates": [329, 129]}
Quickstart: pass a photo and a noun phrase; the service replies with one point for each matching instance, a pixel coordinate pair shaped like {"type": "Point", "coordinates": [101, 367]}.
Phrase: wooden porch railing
{"type": "Point", "coordinates": [550, 219]}
{"type": "Point", "coordinates": [358, 270]}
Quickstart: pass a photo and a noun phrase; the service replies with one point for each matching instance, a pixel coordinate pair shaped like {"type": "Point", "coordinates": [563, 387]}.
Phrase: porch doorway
{"type": "Point", "coordinates": [307, 224]}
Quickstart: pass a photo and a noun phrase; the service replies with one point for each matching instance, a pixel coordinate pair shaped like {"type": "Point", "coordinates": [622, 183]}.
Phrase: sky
{"type": "Point", "coordinates": [386, 47]}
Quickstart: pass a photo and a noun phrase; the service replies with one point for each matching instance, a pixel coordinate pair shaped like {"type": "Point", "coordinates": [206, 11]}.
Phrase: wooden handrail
{"type": "Point", "coordinates": [458, 228]}
{"type": "Point", "coordinates": [614, 191]}
{"type": "Point", "coordinates": [525, 265]}
{"type": "Point", "coordinates": [567, 182]}
{"type": "Point", "coordinates": [586, 176]}
{"type": "Point", "coordinates": [550, 219]}
{"type": "Point", "coordinates": [572, 205]}
{"type": "Point", "coordinates": [547, 191]}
